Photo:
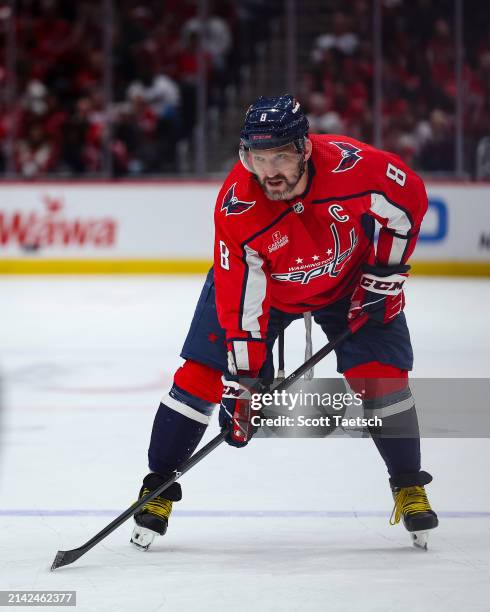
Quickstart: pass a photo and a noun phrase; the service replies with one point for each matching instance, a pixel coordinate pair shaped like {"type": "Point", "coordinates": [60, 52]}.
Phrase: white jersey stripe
{"type": "Point", "coordinates": [186, 410]}
{"type": "Point", "coordinates": [398, 220]}
{"type": "Point", "coordinates": [255, 291]}
{"type": "Point", "coordinates": [241, 354]}
{"type": "Point", "coordinates": [398, 246]}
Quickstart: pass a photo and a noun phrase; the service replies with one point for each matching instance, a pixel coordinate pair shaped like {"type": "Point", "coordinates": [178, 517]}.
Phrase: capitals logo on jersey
{"type": "Point", "coordinates": [232, 205]}
{"type": "Point", "coordinates": [350, 156]}
{"type": "Point", "coordinates": [332, 267]}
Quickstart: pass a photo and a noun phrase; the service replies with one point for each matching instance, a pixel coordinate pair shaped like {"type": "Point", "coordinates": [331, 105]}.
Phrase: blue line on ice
{"type": "Point", "coordinates": [239, 513]}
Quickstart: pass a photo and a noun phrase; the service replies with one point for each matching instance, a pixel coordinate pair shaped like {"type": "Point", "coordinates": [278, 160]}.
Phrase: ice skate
{"type": "Point", "coordinates": [412, 505]}
{"type": "Point", "coordinates": [152, 519]}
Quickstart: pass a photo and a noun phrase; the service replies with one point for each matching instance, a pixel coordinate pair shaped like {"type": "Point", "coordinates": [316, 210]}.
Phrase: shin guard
{"type": "Point", "coordinates": [386, 394]}
{"type": "Point", "coordinates": [182, 417]}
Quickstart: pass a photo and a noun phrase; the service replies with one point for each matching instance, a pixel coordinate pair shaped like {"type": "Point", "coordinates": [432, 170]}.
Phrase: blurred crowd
{"type": "Point", "coordinates": [65, 103]}
{"type": "Point", "coordinates": [419, 83]}
{"type": "Point", "coordinates": [75, 114]}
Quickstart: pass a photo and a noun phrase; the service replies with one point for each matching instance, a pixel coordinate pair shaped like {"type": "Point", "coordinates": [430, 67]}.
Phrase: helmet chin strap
{"type": "Point", "coordinates": [302, 166]}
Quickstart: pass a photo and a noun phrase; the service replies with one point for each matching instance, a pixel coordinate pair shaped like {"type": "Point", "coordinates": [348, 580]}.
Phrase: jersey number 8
{"type": "Point", "coordinates": [224, 255]}
{"type": "Point", "coordinates": [395, 174]}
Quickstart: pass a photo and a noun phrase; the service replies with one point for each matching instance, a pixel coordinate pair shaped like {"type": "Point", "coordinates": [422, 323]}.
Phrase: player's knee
{"type": "Point", "coordinates": [375, 379]}
{"type": "Point", "coordinates": [185, 411]}
{"type": "Point", "coordinates": [200, 381]}
{"type": "Point", "coordinates": [182, 417]}
{"type": "Point", "coordinates": [384, 390]}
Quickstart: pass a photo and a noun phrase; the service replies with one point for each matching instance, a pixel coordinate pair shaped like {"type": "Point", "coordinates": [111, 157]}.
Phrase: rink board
{"type": "Point", "coordinates": [167, 227]}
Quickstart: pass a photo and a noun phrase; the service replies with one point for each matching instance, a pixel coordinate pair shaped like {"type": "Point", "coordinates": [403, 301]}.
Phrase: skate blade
{"type": "Point", "coordinates": [420, 539]}
{"type": "Point", "coordinates": [142, 537]}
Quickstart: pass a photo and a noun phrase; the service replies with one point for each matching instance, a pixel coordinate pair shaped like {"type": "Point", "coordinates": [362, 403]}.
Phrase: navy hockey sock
{"type": "Point", "coordinates": [398, 438]}
{"type": "Point", "coordinates": [179, 425]}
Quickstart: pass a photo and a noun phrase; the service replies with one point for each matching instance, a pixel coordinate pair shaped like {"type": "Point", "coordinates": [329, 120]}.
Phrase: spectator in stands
{"type": "Point", "coordinates": [61, 114]}
{"type": "Point", "coordinates": [216, 38]}
{"type": "Point", "coordinates": [342, 38]}
{"type": "Point", "coordinates": [35, 154]}
{"type": "Point", "coordinates": [323, 120]}
{"type": "Point", "coordinates": [437, 154]}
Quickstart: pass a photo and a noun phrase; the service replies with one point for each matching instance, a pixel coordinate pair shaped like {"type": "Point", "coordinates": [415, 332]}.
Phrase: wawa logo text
{"type": "Point", "coordinates": [50, 227]}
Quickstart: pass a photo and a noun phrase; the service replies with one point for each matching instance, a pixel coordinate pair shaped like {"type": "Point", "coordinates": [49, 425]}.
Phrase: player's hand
{"type": "Point", "coordinates": [235, 413]}
{"type": "Point", "coordinates": [379, 293]}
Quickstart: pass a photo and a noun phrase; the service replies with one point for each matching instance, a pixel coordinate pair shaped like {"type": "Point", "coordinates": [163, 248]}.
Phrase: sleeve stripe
{"type": "Point", "coordinates": [254, 291]}
{"type": "Point", "coordinates": [394, 237]}
{"type": "Point", "coordinates": [240, 349]}
{"type": "Point", "coordinates": [393, 248]}
{"type": "Point", "coordinates": [398, 246]}
{"type": "Point", "coordinates": [398, 219]}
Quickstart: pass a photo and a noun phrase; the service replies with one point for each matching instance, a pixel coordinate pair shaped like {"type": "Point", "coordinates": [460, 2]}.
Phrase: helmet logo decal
{"type": "Point", "coordinates": [350, 156]}
{"type": "Point", "coordinates": [263, 117]}
{"type": "Point", "coordinates": [232, 205]}
{"type": "Point", "coordinates": [261, 136]}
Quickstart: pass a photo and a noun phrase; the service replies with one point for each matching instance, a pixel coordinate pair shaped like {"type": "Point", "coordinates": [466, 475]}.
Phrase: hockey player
{"type": "Point", "coordinates": [294, 224]}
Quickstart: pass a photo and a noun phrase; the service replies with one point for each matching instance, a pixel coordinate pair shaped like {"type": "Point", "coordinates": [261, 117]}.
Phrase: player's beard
{"type": "Point", "coordinates": [287, 190]}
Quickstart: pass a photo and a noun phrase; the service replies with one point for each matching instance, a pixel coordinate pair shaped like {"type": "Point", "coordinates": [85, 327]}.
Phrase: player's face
{"type": "Point", "coordinates": [278, 170]}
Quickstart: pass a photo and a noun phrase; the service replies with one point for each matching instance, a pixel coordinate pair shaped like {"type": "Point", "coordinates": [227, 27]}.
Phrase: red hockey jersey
{"type": "Point", "coordinates": [302, 254]}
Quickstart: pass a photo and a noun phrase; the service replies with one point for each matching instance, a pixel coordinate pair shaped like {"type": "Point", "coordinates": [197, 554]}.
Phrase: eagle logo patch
{"type": "Point", "coordinates": [232, 205]}
{"type": "Point", "coordinates": [350, 156]}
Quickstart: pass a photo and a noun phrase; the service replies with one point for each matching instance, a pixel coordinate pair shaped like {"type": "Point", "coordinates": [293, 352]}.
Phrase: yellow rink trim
{"type": "Point", "coordinates": [450, 268]}
{"type": "Point", "coordinates": [104, 266]}
{"type": "Point", "coordinates": [197, 266]}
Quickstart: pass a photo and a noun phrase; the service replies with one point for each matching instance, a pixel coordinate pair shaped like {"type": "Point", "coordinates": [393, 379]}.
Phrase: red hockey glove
{"type": "Point", "coordinates": [245, 358]}
{"type": "Point", "coordinates": [235, 413]}
{"type": "Point", "coordinates": [379, 293]}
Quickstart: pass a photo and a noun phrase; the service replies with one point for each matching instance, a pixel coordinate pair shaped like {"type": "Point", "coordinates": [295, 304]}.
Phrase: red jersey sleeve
{"type": "Point", "coordinates": [240, 275]}
{"type": "Point", "coordinates": [399, 203]}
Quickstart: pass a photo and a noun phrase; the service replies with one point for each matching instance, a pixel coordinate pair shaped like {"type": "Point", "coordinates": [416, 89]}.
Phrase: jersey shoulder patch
{"type": "Point", "coordinates": [349, 155]}
{"type": "Point", "coordinates": [232, 205]}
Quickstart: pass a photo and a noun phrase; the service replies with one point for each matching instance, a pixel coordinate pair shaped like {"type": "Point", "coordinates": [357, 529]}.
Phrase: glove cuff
{"type": "Point", "coordinates": [245, 357]}
{"type": "Point", "coordinates": [386, 285]}
{"type": "Point", "coordinates": [386, 270]}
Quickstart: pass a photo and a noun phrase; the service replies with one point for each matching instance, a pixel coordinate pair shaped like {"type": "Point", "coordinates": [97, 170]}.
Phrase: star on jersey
{"type": "Point", "coordinates": [315, 257]}
{"type": "Point", "coordinates": [232, 205]}
{"type": "Point", "coordinates": [329, 251]}
{"type": "Point", "coordinates": [350, 156]}
{"type": "Point", "coordinates": [299, 260]}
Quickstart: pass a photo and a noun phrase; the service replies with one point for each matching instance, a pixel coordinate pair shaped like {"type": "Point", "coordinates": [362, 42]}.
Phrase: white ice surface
{"type": "Point", "coordinates": [84, 363]}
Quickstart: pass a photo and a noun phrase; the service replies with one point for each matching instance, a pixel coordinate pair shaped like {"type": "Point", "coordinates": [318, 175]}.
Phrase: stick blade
{"type": "Point", "coordinates": [65, 557]}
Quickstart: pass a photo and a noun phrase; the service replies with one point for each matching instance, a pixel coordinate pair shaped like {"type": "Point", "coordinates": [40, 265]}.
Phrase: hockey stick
{"type": "Point", "coordinates": [65, 557]}
{"type": "Point", "coordinates": [280, 350]}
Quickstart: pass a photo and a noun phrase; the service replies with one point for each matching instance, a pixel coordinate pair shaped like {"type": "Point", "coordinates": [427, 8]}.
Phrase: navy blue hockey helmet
{"type": "Point", "coordinates": [274, 122]}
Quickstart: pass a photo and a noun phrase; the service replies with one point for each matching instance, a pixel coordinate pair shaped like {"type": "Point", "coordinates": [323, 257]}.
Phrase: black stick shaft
{"type": "Point", "coordinates": [187, 465]}
{"type": "Point", "coordinates": [68, 556]}
{"type": "Point", "coordinates": [65, 557]}
{"type": "Point", "coordinates": [281, 350]}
